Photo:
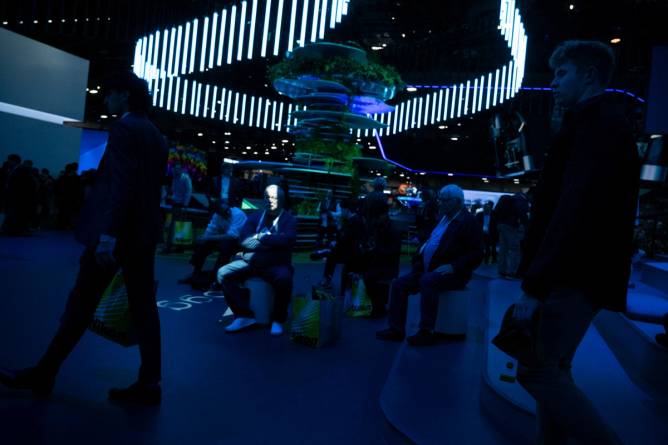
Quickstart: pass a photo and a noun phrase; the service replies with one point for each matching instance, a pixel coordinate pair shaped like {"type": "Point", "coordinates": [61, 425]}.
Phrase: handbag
{"type": "Point", "coordinates": [183, 233]}
{"type": "Point", "coordinates": [112, 316]}
{"type": "Point", "coordinates": [516, 338]}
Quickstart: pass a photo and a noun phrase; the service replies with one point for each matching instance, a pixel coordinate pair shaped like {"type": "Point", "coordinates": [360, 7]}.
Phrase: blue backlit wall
{"type": "Point", "coordinates": [40, 88]}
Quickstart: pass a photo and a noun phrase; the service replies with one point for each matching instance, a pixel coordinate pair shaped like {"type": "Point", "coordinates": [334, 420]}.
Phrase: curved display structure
{"type": "Point", "coordinates": [240, 32]}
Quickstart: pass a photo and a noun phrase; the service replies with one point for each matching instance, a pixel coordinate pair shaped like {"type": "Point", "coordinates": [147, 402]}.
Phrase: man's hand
{"type": "Point", "coordinates": [104, 253]}
{"type": "Point", "coordinates": [525, 307]}
{"type": "Point", "coordinates": [445, 269]}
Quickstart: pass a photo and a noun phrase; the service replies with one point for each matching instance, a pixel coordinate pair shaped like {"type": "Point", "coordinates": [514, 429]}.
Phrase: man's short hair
{"type": "Point", "coordinates": [452, 191]}
{"type": "Point", "coordinates": [584, 54]}
{"type": "Point", "coordinates": [139, 100]}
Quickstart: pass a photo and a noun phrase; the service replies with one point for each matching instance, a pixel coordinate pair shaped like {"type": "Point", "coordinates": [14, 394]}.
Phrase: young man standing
{"type": "Point", "coordinates": [570, 269]}
{"type": "Point", "coordinates": [120, 226]}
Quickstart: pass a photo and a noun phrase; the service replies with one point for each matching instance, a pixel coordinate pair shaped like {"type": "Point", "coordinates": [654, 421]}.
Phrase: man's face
{"type": "Point", "coordinates": [568, 84]}
{"type": "Point", "coordinates": [116, 102]}
{"type": "Point", "coordinates": [272, 202]}
{"type": "Point", "coordinates": [178, 170]}
{"type": "Point", "coordinates": [447, 204]}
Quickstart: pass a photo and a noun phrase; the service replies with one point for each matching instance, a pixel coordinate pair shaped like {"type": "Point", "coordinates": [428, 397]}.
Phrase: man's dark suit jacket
{"type": "Point", "coordinates": [581, 229]}
{"type": "Point", "coordinates": [270, 250]}
{"type": "Point", "coordinates": [125, 200]}
{"type": "Point", "coordinates": [460, 246]}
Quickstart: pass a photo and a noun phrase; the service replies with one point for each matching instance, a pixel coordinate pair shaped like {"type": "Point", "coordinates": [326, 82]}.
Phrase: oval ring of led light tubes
{"type": "Point", "coordinates": [164, 58]}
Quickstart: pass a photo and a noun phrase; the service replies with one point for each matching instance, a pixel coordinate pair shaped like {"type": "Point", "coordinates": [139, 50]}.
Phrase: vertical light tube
{"type": "Point", "coordinates": [273, 116]}
{"type": "Point", "coordinates": [265, 29]}
{"type": "Point", "coordinates": [502, 84]}
{"type": "Point", "coordinates": [382, 121]}
{"type": "Point", "coordinates": [279, 24]}
{"type": "Point", "coordinates": [446, 103]}
{"type": "Point", "coordinates": [205, 38]}
{"type": "Point", "coordinates": [291, 36]}
{"type": "Point", "coordinates": [185, 95]}
{"type": "Point", "coordinates": [510, 79]}
{"type": "Point", "coordinates": [439, 113]}
{"type": "Point", "coordinates": [177, 96]}
{"type": "Point", "coordinates": [302, 33]}
{"type": "Point", "coordinates": [163, 62]}
{"type": "Point", "coordinates": [409, 116]}
{"type": "Point", "coordinates": [136, 61]}
{"type": "Point", "coordinates": [259, 112]}
{"type": "Point", "coordinates": [419, 117]}
{"type": "Point", "coordinates": [339, 10]}
{"type": "Point", "coordinates": [214, 30]}
{"type": "Point", "coordinates": [287, 120]}
{"type": "Point", "coordinates": [461, 100]}
{"type": "Point", "coordinates": [193, 96]}
{"type": "Point", "coordinates": [228, 105]}
{"type": "Point", "coordinates": [433, 106]}
{"type": "Point", "coordinates": [250, 112]}
{"type": "Point", "coordinates": [251, 32]}
{"type": "Point", "coordinates": [496, 87]}
{"type": "Point", "coordinates": [454, 102]}
{"type": "Point", "coordinates": [186, 40]}
{"type": "Point", "coordinates": [178, 51]}
{"type": "Point", "coordinates": [169, 94]}
{"type": "Point", "coordinates": [243, 110]}
{"type": "Point", "coordinates": [170, 64]}
{"type": "Point", "coordinates": [480, 91]}
{"type": "Point", "coordinates": [221, 37]}
{"type": "Point", "coordinates": [199, 99]}
{"type": "Point", "coordinates": [502, 15]}
{"type": "Point", "coordinates": [230, 42]}
{"type": "Point", "coordinates": [193, 45]}
{"type": "Point", "coordinates": [242, 30]}
{"type": "Point", "coordinates": [474, 106]}
{"type": "Point", "coordinates": [223, 96]}
{"type": "Point", "coordinates": [266, 113]}
{"type": "Point", "coordinates": [509, 21]}
{"type": "Point", "coordinates": [426, 109]}
{"type": "Point", "coordinates": [332, 19]}
{"type": "Point", "coordinates": [344, 7]}
{"type": "Point", "coordinates": [236, 108]}
{"type": "Point", "coordinates": [280, 116]}
{"type": "Point", "coordinates": [205, 110]}
{"type": "Point", "coordinates": [148, 67]}
{"type": "Point", "coordinates": [155, 72]}
{"type": "Point", "coordinates": [323, 19]}
{"type": "Point", "coordinates": [212, 114]}
{"type": "Point", "coordinates": [314, 24]}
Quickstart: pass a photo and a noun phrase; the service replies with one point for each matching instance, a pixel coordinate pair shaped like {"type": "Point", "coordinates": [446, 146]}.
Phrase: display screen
{"type": "Point", "coordinates": [93, 143]}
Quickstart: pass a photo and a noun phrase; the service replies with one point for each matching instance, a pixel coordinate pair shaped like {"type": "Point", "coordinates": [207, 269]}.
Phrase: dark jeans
{"type": "Point", "coordinates": [177, 215]}
{"type": "Point", "coordinates": [377, 286]}
{"type": "Point", "coordinates": [429, 284]}
{"type": "Point", "coordinates": [136, 264]}
{"type": "Point", "coordinates": [563, 411]}
{"type": "Point", "coordinates": [490, 248]}
{"type": "Point", "coordinates": [279, 277]}
{"type": "Point", "coordinates": [225, 247]}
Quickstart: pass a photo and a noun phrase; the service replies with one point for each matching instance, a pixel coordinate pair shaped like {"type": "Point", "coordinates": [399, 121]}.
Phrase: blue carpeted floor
{"type": "Point", "coordinates": [218, 389]}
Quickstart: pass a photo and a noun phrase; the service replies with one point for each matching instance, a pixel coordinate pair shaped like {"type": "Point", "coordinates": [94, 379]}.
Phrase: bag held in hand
{"type": "Point", "coordinates": [112, 316]}
{"type": "Point", "coordinates": [316, 320]}
{"type": "Point", "coordinates": [517, 337]}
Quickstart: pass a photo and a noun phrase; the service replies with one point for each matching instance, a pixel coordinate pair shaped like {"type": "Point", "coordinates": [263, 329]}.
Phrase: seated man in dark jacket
{"type": "Point", "coordinates": [267, 240]}
{"type": "Point", "coordinates": [445, 262]}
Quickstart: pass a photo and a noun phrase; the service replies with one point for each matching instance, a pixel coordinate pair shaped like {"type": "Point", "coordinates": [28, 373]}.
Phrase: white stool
{"type": "Point", "coordinates": [453, 312]}
{"type": "Point", "coordinates": [261, 299]}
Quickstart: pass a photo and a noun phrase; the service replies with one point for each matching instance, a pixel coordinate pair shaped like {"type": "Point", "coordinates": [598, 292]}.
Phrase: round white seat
{"type": "Point", "coordinates": [453, 309]}
{"type": "Point", "coordinates": [261, 299]}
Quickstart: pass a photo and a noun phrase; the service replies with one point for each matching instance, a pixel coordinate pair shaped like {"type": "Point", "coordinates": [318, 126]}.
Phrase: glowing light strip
{"type": "Point", "coordinates": [474, 105]}
{"type": "Point", "coordinates": [243, 109]}
{"type": "Point", "coordinates": [314, 23]}
{"type": "Point", "coordinates": [291, 36]}
{"type": "Point", "coordinates": [242, 29]}
{"type": "Point", "coordinates": [162, 67]}
{"type": "Point", "coordinates": [193, 46]}
{"type": "Point", "coordinates": [266, 113]}
{"type": "Point", "coordinates": [273, 112]}
{"type": "Point", "coordinates": [185, 94]}
{"type": "Point", "coordinates": [176, 94]}
{"type": "Point", "coordinates": [186, 40]}
{"type": "Point", "coordinates": [214, 102]}
{"type": "Point", "coordinates": [236, 107]}
{"type": "Point", "coordinates": [206, 101]}
{"type": "Point", "coordinates": [280, 117]}
{"type": "Point", "coordinates": [265, 31]}
{"type": "Point", "coordinates": [250, 112]}
{"type": "Point", "coordinates": [199, 99]}
{"type": "Point", "coordinates": [332, 19]}
{"type": "Point", "coordinates": [251, 32]}
{"type": "Point", "coordinates": [445, 108]}
{"type": "Point", "coordinates": [279, 24]}
{"type": "Point", "coordinates": [30, 113]}
{"type": "Point", "coordinates": [323, 19]}
{"type": "Point", "coordinates": [228, 105]}
{"type": "Point", "coordinates": [214, 29]}
{"type": "Point", "coordinates": [169, 94]}
{"type": "Point", "coordinates": [454, 102]}
{"type": "Point", "coordinates": [148, 68]}
{"type": "Point", "coordinates": [223, 97]}
{"type": "Point", "coordinates": [221, 37]}
{"type": "Point", "coordinates": [259, 112]}
{"type": "Point", "coordinates": [302, 35]}
{"type": "Point", "coordinates": [205, 37]}
{"type": "Point", "coordinates": [178, 52]}
{"type": "Point", "coordinates": [170, 63]}
{"type": "Point", "coordinates": [230, 42]}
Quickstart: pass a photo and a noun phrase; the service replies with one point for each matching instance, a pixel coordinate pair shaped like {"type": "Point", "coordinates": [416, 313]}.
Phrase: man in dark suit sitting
{"type": "Point", "coordinates": [445, 262]}
{"type": "Point", "coordinates": [120, 226]}
{"type": "Point", "coordinates": [267, 240]}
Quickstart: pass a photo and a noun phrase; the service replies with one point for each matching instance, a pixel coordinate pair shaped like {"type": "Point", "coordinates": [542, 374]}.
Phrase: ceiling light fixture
{"type": "Point", "coordinates": [93, 91]}
{"type": "Point", "coordinates": [615, 40]}
{"type": "Point", "coordinates": [411, 89]}
{"type": "Point", "coordinates": [200, 134]}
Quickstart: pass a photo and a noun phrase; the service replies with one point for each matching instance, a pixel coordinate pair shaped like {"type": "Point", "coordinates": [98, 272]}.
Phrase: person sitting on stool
{"type": "Point", "coordinates": [181, 192]}
{"type": "Point", "coordinates": [445, 262]}
{"type": "Point", "coordinates": [267, 240]}
{"type": "Point", "coordinates": [221, 235]}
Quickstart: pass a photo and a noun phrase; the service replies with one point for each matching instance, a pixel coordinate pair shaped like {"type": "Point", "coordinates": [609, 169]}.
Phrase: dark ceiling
{"type": "Point", "coordinates": [428, 41]}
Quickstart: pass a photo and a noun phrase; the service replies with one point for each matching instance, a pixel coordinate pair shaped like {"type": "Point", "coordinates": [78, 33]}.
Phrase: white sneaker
{"type": "Point", "coordinates": [239, 324]}
{"type": "Point", "coordinates": [276, 329]}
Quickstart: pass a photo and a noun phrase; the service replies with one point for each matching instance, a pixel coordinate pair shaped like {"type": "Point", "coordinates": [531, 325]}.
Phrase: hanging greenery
{"type": "Point", "coordinates": [340, 69]}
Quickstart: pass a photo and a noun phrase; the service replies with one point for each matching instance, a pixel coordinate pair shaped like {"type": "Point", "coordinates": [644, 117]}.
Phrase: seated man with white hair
{"type": "Point", "coordinates": [445, 262]}
{"type": "Point", "coordinates": [267, 240]}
